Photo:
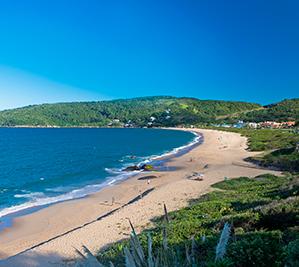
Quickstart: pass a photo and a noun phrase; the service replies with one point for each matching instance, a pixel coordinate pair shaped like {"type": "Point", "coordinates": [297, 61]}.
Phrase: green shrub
{"type": "Point", "coordinates": [257, 249]}
{"type": "Point", "coordinates": [292, 254]}
{"type": "Point", "coordinates": [286, 159]}
{"type": "Point", "coordinates": [279, 214]}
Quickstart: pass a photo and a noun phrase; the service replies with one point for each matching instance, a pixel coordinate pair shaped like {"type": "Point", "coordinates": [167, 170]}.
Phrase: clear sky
{"type": "Point", "coordinates": [71, 50]}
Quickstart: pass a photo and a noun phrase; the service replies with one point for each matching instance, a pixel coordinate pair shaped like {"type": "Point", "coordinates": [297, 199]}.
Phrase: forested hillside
{"type": "Point", "coordinates": [282, 111]}
{"type": "Point", "coordinates": [158, 111]}
{"type": "Point", "coordinates": [155, 111]}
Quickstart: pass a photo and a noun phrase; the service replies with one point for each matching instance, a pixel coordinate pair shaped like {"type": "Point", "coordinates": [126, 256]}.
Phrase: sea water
{"type": "Point", "coordinates": [41, 166]}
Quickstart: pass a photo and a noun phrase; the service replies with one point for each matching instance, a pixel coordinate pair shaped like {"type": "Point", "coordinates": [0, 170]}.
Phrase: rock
{"type": "Point", "coordinates": [144, 167]}
{"type": "Point", "coordinates": [147, 167]}
{"type": "Point", "coordinates": [132, 168]}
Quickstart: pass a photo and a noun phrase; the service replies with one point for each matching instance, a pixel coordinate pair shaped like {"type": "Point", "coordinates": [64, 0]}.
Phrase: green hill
{"type": "Point", "coordinates": [282, 111]}
{"type": "Point", "coordinates": [166, 111]}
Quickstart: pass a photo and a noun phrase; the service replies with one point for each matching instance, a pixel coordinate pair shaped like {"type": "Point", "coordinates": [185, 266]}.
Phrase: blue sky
{"type": "Point", "coordinates": [61, 50]}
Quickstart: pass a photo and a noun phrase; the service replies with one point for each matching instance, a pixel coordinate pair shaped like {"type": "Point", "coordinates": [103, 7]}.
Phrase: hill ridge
{"type": "Point", "coordinates": [146, 111]}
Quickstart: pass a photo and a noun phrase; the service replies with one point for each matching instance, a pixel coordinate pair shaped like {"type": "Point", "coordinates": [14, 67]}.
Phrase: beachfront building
{"type": "Point", "coordinates": [288, 124]}
{"type": "Point", "coordinates": [252, 125]}
{"type": "Point", "coordinates": [276, 125]}
{"type": "Point", "coordinates": [239, 125]}
{"type": "Point", "coordinates": [269, 124]}
{"type": "Point", "coordinates": [115, 123]}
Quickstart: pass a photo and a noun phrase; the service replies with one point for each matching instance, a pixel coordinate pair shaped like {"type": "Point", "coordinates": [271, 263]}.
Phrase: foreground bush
{"type": "Point", "coordinates": [257, 249]}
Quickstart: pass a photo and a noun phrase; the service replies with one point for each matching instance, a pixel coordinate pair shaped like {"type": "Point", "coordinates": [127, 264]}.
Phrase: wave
{"type": "Point", "coordinates": [38, 199]}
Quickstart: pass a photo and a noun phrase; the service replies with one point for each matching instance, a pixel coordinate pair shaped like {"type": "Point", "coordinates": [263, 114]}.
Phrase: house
{"type": "Point", "coordinates": [252, 125]}
{"type": "Point", "coordinates": [239, 124]}
{"type": "Point", "coordinates": [277, 125]}
{"type": "Point", "coordinates": [288, 124]}
{"type": "Point", "coordinates": [270, 124]}
{"type": "Point", "coordinates": [115, 122]}
{"type": "Point", "coordinates": [128, 125]}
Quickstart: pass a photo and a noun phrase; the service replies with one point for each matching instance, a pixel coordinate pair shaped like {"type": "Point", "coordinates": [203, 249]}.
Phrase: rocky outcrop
{"type": "Point", "coordinates": [144, 167]}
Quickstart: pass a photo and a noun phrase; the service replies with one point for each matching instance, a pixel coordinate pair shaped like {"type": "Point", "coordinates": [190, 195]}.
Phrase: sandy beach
{"type": "Point", "coordinates": [61, 227]}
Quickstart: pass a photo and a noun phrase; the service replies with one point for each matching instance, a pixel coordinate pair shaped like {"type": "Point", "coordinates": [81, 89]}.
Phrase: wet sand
{"type": "Point", "coordinates": [101, 218]}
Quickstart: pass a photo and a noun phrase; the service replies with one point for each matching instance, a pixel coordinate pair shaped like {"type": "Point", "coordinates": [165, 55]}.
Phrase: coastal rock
{"type": "Point", "coordinates": [132, 168]}
{"type": "Point", "coordinates": [147, 167]}
{"type": "Point", "coordinates": [144, 167]}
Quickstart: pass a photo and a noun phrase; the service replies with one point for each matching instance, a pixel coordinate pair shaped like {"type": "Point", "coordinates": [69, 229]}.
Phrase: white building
{"type": "Point", "coordinates": [253, 125]}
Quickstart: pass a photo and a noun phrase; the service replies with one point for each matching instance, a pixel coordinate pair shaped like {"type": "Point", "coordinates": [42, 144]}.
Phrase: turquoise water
{"type": "Point", "coordinates": [43, 166]}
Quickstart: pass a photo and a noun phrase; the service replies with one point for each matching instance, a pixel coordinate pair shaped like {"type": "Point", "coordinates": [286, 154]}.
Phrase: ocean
{"type": "Point", "coordinates": [42, 166]}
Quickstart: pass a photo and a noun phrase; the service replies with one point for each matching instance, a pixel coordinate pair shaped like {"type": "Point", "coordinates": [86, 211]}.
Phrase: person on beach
{"type": "Point", "coordinates": [148, 181]}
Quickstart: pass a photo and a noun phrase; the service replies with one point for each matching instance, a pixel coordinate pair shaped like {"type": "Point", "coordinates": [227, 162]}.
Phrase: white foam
{"type": "Point", "coordinates": [30, 195]}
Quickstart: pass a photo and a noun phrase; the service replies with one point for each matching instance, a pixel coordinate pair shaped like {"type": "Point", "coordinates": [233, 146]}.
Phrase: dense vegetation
{"type": "Point", "coordinates": [264, 218]}
{"type": "Point", "coordinates": [287, 110]}
{"type": "Point", "coordinates": [167, 111]}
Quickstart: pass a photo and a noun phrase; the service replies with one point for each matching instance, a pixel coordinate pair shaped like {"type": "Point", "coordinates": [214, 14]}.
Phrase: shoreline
{"type": "Point", "coordinates": [214, 158]}
{"type": "Point", "coordinates": [158, 161]}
